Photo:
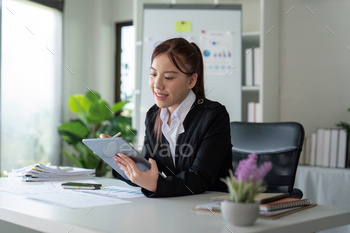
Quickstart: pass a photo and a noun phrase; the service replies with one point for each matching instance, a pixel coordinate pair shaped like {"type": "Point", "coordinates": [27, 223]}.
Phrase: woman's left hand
{"type": "Point", "coordinates": [146, 179]}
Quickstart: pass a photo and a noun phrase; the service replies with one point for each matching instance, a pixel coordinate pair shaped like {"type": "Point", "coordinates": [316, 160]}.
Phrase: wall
{"type": "Point", "coordinates": [122, 10]}
{"type": "Point", "coordinates": [315, 70]}
{"type": "Point", "coordinates": [89, 38]}
{"type": "Point", "coordinates": [314, 74]}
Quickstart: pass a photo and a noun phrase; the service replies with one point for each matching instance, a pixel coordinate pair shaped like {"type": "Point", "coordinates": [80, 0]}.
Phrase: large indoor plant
{"type": "Point", "coordinates": [244, 185]}
{"type": "Point", "coordinates": [94, 116]}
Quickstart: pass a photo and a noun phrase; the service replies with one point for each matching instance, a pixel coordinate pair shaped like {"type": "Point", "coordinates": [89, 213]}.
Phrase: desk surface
{"type": "Point", "coordinates": [154, 215]}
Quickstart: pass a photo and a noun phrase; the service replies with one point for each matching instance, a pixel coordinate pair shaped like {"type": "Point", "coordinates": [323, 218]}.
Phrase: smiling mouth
{"type": "Point", "coordinates": [160, 96]}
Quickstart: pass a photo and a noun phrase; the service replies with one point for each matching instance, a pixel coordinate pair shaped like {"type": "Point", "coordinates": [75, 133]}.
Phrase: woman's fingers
{"type": "Point", "coordinates": [147, 179]}
{"type": "Point", "coordinates": [127, 165]}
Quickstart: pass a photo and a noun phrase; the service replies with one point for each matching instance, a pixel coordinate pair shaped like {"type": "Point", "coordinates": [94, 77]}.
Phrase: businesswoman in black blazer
{"type": "Point", "coordinates": [187, 136]}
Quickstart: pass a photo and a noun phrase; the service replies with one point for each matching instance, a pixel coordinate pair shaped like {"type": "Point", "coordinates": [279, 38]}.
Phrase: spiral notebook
{"type": "Point", "coordinates": [284, 203]}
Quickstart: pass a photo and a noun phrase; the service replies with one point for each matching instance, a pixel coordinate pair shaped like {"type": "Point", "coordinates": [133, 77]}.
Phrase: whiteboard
{"type": "Point", "coordinates": [216, 29]}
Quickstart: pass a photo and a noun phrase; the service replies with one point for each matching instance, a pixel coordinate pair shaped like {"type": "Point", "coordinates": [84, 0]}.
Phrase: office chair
{"type": "Point", "coordinates": [279, 142]}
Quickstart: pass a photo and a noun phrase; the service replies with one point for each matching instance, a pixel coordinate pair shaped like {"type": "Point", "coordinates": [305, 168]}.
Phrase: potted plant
{"type": "Point", "coordinates": [94, 116]}
{"type": "Point", "coordinates": [243, 186]}
{"type": "Point", "coordinates": [344, 124]}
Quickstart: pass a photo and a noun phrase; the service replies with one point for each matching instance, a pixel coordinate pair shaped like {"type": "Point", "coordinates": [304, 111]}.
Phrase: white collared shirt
{"type": "Point", "coordinates": [171, 133]}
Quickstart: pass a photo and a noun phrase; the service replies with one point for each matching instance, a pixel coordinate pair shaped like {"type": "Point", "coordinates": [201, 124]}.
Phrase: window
{"type": "Point", "coordinates": [125, 64]}
{"type": "Point", "coordinates": [30, 94]}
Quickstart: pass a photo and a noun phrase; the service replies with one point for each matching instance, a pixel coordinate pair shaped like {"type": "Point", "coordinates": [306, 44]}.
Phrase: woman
{"type": "Point", "coordinates": [187, 136]}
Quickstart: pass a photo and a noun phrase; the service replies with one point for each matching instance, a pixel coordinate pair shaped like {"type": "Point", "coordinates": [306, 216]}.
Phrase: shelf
{"type": "Point", "coordinates": [267, 94]}
{"type": "Point", "coordinates": [251, 34]}
{"type": "Point", "coordinates": [250, 88]}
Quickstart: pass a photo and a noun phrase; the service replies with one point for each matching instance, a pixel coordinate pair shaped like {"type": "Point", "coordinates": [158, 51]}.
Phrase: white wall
{"type": "Point", "coordinates": [89, 42]}
{"type": "Point", "coordinates": [122, 10]}
{"type": "Point", "coordinates": [315, 63]}
{"type": "Point", "coordinates": [89, 38]}
{"type": "Point", "coordinates": [314, 72]}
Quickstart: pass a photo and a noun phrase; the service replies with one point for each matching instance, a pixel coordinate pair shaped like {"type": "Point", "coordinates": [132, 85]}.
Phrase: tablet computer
{"type": "Point", "coordinates": [107, 148]}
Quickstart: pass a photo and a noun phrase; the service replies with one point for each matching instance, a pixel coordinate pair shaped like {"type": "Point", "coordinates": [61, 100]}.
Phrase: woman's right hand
{"type": "Point", "coordinates": [102, 135]}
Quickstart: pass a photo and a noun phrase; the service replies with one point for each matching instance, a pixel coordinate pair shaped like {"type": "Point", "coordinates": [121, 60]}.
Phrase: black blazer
{"type": "Point", "coordinates": [203, 151]}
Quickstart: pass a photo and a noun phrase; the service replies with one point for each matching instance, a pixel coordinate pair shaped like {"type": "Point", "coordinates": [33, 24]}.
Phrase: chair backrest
{"type": "Point", "coordinates": [278, 142]}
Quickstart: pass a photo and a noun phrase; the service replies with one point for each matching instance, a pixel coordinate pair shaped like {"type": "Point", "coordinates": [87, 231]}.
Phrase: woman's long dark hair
{"type": "Point", "coordinates": [187, 57]}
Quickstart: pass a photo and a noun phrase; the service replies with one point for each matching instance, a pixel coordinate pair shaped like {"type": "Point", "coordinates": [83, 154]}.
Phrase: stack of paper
{"type": "Point", "coordinates": [41, 172]}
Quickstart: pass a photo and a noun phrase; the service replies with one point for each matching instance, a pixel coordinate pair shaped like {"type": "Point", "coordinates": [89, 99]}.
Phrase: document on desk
{"type": "Point", "coordinates": [117, 192]}
{"type": "Point", "coordinates": [77, 199]}
{"type": "Point", "coordinates": [52, 192]}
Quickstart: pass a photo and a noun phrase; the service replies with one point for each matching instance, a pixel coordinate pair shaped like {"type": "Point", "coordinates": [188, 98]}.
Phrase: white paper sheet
{"type": "Point", "coordinates": [52, 192]}
{"type": "Point", "coordinates": [117, 192]}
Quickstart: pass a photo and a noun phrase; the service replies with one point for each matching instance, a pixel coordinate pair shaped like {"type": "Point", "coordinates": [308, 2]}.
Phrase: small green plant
{"type": "Point", "coordinates": [247, 182]}
{"type": "Point", "coordinates": [345, 125]}
{"type": "Point", "coordinates": [94, 116]}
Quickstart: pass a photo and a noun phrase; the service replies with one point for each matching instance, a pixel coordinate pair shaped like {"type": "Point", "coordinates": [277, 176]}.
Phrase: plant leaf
{"type": "Point", "coordinates": [72, 158]}
{"type": "Point", "coordinates": [79, 104]}
{"type": "Point", "coordinates": [118, 106]}
{"type": "Point", "coordinates": [73, 131]}
{"type": "Point", "coordinates": [98, 112]}
{"type": "Point", "coordinates": [87, 156]}
{"type": "Point", "coordinates": [92, 96]}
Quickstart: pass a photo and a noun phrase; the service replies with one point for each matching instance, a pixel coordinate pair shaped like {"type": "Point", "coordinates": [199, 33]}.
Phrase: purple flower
{"type": "Point", "coordinates": [261, 172]}
{"type": "Point", "coordinates": [247, 169]}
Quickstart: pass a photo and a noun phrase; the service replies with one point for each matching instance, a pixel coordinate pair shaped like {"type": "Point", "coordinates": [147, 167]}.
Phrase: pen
{"type": "Point", "coordinates": [117, 135]}
{"type": "Point", "coordinates": [162, 174]}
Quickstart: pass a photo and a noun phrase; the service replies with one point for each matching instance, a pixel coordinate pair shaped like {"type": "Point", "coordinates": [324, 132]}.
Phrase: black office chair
{"type": "Point", "coordinates": [279, 142]}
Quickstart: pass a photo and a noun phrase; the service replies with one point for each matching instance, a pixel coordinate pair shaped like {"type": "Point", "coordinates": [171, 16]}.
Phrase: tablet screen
{"type": "Point", "coordinates": [107, 148]}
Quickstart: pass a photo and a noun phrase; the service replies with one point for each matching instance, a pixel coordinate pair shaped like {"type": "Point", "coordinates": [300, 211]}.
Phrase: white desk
{"type": "Point", "coordinates": [150, 215]}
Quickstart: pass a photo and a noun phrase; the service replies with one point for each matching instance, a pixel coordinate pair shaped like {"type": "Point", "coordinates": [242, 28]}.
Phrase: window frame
{"type": "Point", "coordinates": [117, 90]}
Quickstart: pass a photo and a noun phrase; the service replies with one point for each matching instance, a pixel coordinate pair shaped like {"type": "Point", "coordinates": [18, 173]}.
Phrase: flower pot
{"type": "Point", "coordinates": [240, 214]}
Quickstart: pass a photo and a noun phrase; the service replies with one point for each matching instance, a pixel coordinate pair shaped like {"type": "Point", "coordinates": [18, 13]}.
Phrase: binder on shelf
{"type": "Point", "coordinates": [326, 147]}
{"type": "Point", "coordinates": [347, 151]}
{"type": "Point", "coordinates": [254, 112]}
{"type": "Point", "coordinates": [333, 150]}
{"type": "Point", "coordinates": [257, 76]}
{"type": "Point", "coordinates": [249, 67]}
{"type": "Point", "coordinates": [342, 148]}
{"type": "Point", "coordinates": [307, 151]}
{"type": "Point", "coordinates": [313, 150]}
{"type": "Point", "coordinates": [319, 146]}
{"type": "Point", "coordinates": [251, 112]}
{"type": "Point", "coordinates": [258, 109]}
{"type": "Point", "coordinates": [302, 154]}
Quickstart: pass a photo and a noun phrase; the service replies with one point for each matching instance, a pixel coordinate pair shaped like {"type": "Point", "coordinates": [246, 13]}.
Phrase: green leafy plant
{"type": "Point", "coordinates": [247, 182]}
{"type": "Point", "coordinates": [94, 116]}
{"type": "Point", "coordinates": [345, 125]}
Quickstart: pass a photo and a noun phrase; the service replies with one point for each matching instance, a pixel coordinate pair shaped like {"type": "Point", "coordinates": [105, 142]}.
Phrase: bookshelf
{"type": "Point", "coordinates": [326, 147]}
{"type": "Point", "coordinates": [267, 39]}
{"type": "Point", "coordinates": [250, 93]}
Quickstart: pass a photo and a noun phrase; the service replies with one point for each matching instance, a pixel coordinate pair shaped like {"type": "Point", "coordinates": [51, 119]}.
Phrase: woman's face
{"type": "Point", "coordinates": [169, 85]}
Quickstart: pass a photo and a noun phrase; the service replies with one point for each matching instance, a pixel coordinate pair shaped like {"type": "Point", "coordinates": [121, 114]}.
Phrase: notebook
{"type": "Point", "coordinates": [261, 197]}
{"type": "Point", "coordinates": [284, 204]}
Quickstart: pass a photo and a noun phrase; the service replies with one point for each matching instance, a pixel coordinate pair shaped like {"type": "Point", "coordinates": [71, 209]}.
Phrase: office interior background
{"type": "Point", "coordinates": [75, 50]}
